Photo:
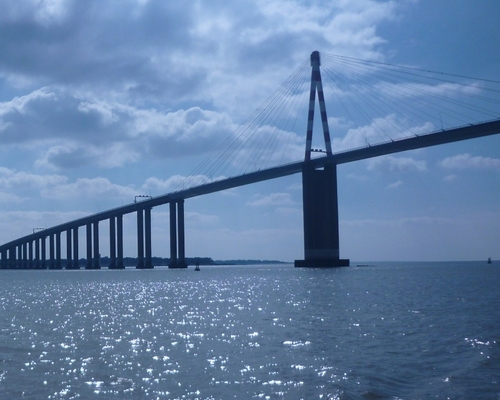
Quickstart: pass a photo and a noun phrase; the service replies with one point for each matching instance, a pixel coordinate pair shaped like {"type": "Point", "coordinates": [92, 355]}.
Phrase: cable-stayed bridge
{"type": "Point", "coordinates": [411, 123]}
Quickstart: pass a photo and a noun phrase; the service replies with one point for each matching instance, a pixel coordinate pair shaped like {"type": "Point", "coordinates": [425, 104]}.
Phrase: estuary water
{"type": "Point", "coordinates": [381, 331]}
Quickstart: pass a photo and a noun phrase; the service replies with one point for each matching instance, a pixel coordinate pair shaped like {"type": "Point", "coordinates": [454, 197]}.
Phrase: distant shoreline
{"type": "Point", "coordinates": [104, 262]}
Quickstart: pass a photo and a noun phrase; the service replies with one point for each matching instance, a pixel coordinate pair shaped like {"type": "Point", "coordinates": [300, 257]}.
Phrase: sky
{"type": "Point", "coordinates": [102, 101]}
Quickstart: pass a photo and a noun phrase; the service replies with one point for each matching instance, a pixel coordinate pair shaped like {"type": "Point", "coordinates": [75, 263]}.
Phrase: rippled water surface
{"type": "Point", "coordinates": [387, 331]}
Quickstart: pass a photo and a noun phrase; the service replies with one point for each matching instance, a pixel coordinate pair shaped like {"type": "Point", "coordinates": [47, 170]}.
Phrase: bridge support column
{"type": "Point", "coordinates": [181, 234]}
{"type": "Point", "coordinates": [140, 239]}
{"type": "Point", "coordinates": [4, 259]}
{"type": "Point", "coordinates": [144, 256]}
{"type": "Point", "coordinates": [16, 257]}
{"type": "Point", "coordinates": [119, 242]}
{"type": "Point", "coordinates": [52, 253]}
{"type": "Point", "coordinates": [21, 261]}
{"type": "Point", "coordinates": [148, 262]}
{"type": "Point", "coordinates": [321, 220]}
{"type": "Point", "coordinates": [95, 240]}
{"type": "Point", "coordinates": [58, 250]}
{"type": "Point", "coordinates": [177, 243]}
{"type": "Point", "coordinates": [76, 261]}
{"type": "Point", "coordinates": [112, 243]}
{"type": "Point", "coordinates": [69, 262]}
{"type": "Point", "coordinates": [12, 258]}
{"type": "Point", "coordinates": [88, 234]}
{"type": "Point", "coordinates": [173, 234]}
{"type": "Point", "coordinates": [43, 261]}
{"type": "Point", "coordinates": [37, 253]}
{"type": "Point", "coordinates": [22, 256]}
{"type": "Point", "coordinates": [30, 254]}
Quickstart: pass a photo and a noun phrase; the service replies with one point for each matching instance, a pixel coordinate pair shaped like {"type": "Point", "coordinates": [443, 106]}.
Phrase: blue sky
{"type": "Point", "coordinates": [101, 101]}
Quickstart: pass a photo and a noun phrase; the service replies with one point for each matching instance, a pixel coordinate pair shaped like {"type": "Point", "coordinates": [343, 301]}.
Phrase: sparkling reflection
{"type": "Point", "coordinates": [256, 333]}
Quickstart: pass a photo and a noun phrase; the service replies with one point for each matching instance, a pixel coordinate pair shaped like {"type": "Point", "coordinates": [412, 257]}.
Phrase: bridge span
{"type": "Point", "coordinates": [321, 236]}
{"type": "Point", "coordinates": [20, 253]}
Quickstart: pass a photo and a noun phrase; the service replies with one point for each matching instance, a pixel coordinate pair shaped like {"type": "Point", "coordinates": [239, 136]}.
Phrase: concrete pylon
{"type": "Point", "coordinates": [319, 190]}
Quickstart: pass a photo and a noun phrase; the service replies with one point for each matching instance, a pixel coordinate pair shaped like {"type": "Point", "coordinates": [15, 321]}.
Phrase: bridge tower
{"type": "Point", "coordinates": [319, 190]}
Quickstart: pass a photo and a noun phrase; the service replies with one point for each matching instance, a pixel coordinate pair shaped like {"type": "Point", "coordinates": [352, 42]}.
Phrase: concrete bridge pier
{"type": "Point", "coordinates": [97, 254]}
{"type": "Point", "coordinates": [116, 242]}
{"type": "Point", "coordinates": [52, 253]}
{"type": "Point", "coordinates": [140, 239]}
{"type": "Point", "coordinates": [30, 254]}
{"type": "Point", "coordinates": [321, 218]}
{"type": "Point", "coordinates": [76, 259]}
{"type": "Point", "coordinates": [4, 264]}
{"type": "Point", "coordinates": [144, 260]}
{"type": "Point", "coordinates": [92, 242]}
{"type": "Point", "coordinates": [43, 248]}
{"type": "Point", "coordinates": [148, 262]}
{"type": "Point", "coordinates": [70, 247]}
{"type": "Point", "coordinates": [177, 234]}
{"type": "Point", "coordinates": [112, 243]}
{"type": "Point", "coordinates": [15, 262]}
{"type": "Point", "coordinates": [58, 251]}
{"type": "Point", "coordinates": [88, 231]}
{"type": "Point", "coordinates": [22, 256]}
{"type": "Point", "coordinates": [37, 254]}
{"type": "Point", "coordinates": [119, 242]}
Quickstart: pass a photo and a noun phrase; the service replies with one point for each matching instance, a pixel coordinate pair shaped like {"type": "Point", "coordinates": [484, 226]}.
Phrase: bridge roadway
{"type": "Point", "coordinates": [393, 146]}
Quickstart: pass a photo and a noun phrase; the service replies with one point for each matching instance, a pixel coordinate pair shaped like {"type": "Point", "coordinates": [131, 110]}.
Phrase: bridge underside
{"type": "Point", "coordinates": [321, 218]}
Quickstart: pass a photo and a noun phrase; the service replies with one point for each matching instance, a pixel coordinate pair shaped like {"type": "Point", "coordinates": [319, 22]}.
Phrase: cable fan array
{"type": "Point", "coordinates": [367, 103]}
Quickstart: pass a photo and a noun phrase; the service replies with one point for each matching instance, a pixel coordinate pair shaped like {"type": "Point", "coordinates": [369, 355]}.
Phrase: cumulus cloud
{"type": "Point", "coordinates": [164, 49]}
{"type": "Point", "coordinates": [73, 130]}
{"type": "Point", "coordinates": [450, 178]}
{"type": "Point", "coordinates": [11, 179]}
{"type": "Point", "coordinates": [274, 199]}
{"type": "Point", "coordinates": [394, 164]}
{"type": "Point", "coordinates": [106, 84]}
{"type": "Point", "coordinates": [467, 161]}
{"type": "Point", "coordinates": [395, 185]}
{"type": "Point", "coordinates": [89, 188]}
{"type": "Point", "coordinates": [176, 182]}
{"type": "Point", "coordinates": [9, 198]}
{"type": "Point", "coordinates": [380, 129]}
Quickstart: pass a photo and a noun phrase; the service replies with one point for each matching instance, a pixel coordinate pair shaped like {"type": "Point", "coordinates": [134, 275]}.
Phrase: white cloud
{"type": "Point", "coordinates": [110, 84]}
{"type": "Point", "coordinates": [177, 182]}
{"type": "Point", "coordinates": [9, 198]}
{"type": "Point", "coordinates": [392, 164]}
{"type": "Point", "coordinates": [70, 130]}
{"type": "Point", "coordinates": [74, 154]}
{"type": "Point", "coordinates": [395, 185]}
{"type": "Point", "coordinates": [380, 129]}
{"type": "Point", "coordinates": [89, 188]}
{"type": "Point", "coordinates": [10, 179]}
{"type": "Point", "coordinates": [200, 220]}
{"type": "Point", "coordinates": [409, 90]}
{"type": "Point", "coordinates": [168, 49]}
{"type": "Point", "coordinates": [357, 177]}
{"type": "Point", "coordinates": [467, 161]}
{"type": "Point", "coordinates": [14, 224]}
{"type": "Point", "coordinates": [274, 199]}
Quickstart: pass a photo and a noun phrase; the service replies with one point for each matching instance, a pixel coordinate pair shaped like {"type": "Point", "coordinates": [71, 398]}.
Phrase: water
{"type": "Point", "coordinates": [388, 331]}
